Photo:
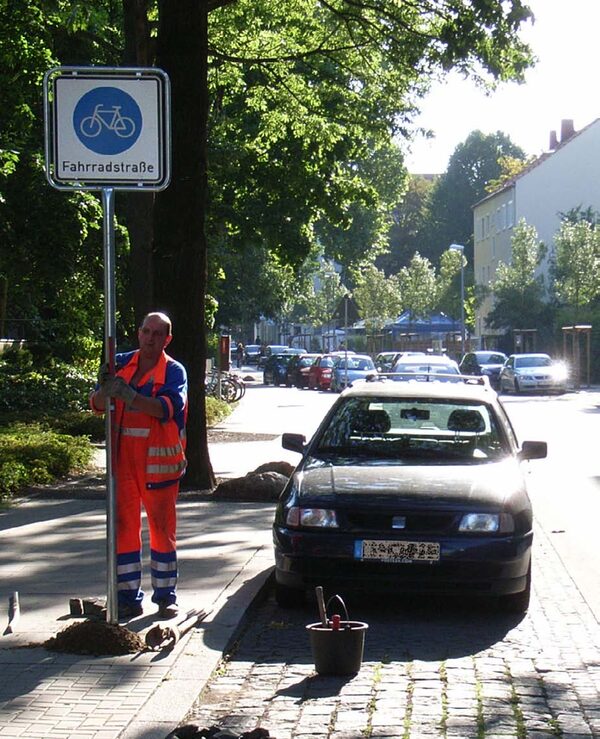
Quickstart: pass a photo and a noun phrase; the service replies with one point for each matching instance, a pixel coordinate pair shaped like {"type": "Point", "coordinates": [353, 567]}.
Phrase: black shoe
{"type": "Point", "coordinates": [128, 611]}
{"type": "Point", "coordinates": [167, 610]}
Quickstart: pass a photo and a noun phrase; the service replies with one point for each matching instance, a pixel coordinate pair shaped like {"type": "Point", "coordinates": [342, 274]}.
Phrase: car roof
{"type": "Point", "coordinates": [472, 389]}
{"type": "Point", "coordinates": [426, 359]}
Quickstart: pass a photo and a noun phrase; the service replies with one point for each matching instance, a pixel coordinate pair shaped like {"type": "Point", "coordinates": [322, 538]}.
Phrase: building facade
{"type": "Point", "coordinates": [564, 178]}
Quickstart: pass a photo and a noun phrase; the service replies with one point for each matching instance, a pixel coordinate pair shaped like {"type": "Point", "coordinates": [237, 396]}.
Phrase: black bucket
{"type": "Point", "coordinates": [338, 651]}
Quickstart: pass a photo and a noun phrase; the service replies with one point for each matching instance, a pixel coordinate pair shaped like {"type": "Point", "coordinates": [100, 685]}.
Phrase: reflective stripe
{"type": "Point", "coordinates": [164, 566]}
{"type": "Point", "coordinates": [164, 451]}
{"type": "Point", "coordinates": [129, 585]}
{"type": "Point", "coordinates": [164, 582]}
{"type": "Point", "coordinates": [144, 433]}
{"type": "Point", "coordinates": [157, 469]}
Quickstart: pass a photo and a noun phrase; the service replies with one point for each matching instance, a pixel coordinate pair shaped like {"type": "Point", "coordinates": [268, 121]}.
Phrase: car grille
{"type": "Point", "coordinates": [416, 522]}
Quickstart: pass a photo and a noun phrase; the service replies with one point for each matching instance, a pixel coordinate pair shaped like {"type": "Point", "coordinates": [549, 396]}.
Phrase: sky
{"type": "Point", "coordinates": [564, 84]}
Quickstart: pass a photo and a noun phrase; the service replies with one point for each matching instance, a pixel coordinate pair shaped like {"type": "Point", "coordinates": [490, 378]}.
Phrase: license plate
{"type": "Point", "coordinates": [398, 551]}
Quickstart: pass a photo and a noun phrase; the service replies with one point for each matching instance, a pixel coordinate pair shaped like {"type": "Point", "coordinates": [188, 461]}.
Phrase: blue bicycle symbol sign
{"type": "Point", "coordinates": [107, 120]}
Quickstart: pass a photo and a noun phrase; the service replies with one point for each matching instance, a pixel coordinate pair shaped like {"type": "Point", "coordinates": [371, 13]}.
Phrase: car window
{"type": "Point", "coordinates": [416, 430]}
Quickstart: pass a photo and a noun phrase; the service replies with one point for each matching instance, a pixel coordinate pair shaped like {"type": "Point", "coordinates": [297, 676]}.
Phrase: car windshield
{"type": "Point", "coordinates": [426, 367]}
{"type": "Point", "coordinates": [492, 358]}
{"type": "Point", "coordinates": [415, 430]}
{"type": "Point", "coordinates": [533, 361]}
{"type": "Point", "coordinates": [356, 363]}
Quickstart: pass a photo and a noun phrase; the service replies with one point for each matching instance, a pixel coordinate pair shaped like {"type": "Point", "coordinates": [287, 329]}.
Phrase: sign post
{"type": "Point", "coordinates": [107, 129]}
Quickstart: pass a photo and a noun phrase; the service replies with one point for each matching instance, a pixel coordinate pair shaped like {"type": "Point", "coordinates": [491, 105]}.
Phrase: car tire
{"type": "Point", "coordinates": [518, 603]}
{"type": "Point", "coordinates": [287, 597]}
{"type": "Point", "coordinates": [517, 387]}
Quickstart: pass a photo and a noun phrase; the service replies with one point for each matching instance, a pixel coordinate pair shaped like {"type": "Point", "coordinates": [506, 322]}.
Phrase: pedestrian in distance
{"type": "Point", "coordinates": [239, 354]}
{"type": "Point", "coordinates": [149, 398]}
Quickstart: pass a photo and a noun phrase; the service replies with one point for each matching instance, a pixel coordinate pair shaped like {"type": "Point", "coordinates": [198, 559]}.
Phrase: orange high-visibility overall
{"type": "Point", "coordinates": [150, 460]}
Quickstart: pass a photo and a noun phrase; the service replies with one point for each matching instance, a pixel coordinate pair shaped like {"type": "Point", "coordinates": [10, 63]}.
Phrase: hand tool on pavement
{"type": "Point", "coordinates": [166, 636]}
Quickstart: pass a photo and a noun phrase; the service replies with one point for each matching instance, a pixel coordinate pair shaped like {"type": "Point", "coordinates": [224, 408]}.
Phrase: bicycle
{"type": "Point", "coordinates": [108, 118]}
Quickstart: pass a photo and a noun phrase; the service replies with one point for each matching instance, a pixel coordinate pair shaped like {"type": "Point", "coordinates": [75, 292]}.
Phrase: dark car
{"type": "Point", "coordinates": [269, 351]}
{"type": "Point", "coordinates": [485, 363]}
{"type": "Point", "coordinates": [295, 375]}
{"type": "Point", "coordinates": [408, 487]}
{"type": "Point", "coordinates": [275, 369]}
{"type": "Point", "coordinates": [252, 353]}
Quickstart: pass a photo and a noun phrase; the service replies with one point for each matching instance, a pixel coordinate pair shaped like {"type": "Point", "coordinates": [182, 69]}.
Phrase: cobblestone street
{"type": "Point", "coordinates": [428, 671]}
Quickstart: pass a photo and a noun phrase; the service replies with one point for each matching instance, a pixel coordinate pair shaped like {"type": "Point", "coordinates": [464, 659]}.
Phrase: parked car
{"type": "Point", "coordinates": [275, 369]}
{"type": "Point", "coordinates": [252, 353]}
{"type": "Point", "coordinates": [408, 488]}
{"type": "Point", "coordinates": [269, 350]}
{"type": "Point", "coordinates": [531, 372]}
{"type": "Point", "coordinates": [345, 372]}
{"type": "Point", "coordinates": [297, 369]}
{"type": "Point", "coordinates": [319, 372]}
{"type": "Point", "coordinates": [425, 368]}
{"type": "Point", "coordinates": [483, 362]}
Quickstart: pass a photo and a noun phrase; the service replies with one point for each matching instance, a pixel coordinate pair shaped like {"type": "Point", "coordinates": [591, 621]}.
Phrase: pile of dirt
{"type": "Point", "coordinates": [98, 638]}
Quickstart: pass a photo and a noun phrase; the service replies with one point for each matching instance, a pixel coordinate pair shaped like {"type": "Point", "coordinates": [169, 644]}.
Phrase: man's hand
{"type": "Point", "coordinates": [116, 387]}
{"type": "Point", "coordinates": [104, 374]}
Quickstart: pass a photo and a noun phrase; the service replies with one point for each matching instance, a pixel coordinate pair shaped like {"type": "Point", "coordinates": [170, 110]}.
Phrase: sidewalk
{"type": "Point", "coordinates": [54, 549]}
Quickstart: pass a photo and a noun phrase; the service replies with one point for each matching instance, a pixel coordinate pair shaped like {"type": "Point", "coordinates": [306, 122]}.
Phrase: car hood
{"type": "Point", "coordinates": [489, 483]}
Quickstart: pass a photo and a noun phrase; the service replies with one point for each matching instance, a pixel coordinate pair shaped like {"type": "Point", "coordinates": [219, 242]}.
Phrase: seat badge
{"type": "Point", "coordinates": [399, 522]}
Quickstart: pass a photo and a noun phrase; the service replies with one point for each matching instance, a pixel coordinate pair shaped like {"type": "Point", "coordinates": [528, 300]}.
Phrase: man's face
{"type": "Point", "coordinates": [153, 337]}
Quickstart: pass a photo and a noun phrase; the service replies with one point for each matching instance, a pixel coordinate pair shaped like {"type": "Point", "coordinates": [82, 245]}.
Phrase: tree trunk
{"type": "Point", "coordinates": [180, 264]}
{"type": "Point", "coordinates": [137, 207]}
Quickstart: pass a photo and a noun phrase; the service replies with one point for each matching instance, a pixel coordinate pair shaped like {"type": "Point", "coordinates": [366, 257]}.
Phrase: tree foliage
{"type": "Point", "coordinates": [378, 297]}
{"type": "Point", "coordinates": [472, 165]}
{"type": "Point", "coordinates": [518, 290]}
{"type": "Point", "coordinates": [577, 264]}
{"type": "Point", "coordinates": [418, 286]}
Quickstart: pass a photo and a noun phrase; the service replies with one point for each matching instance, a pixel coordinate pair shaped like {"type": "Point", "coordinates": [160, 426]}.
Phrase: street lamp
{"type": "Point", "coordinates": [460, 248]}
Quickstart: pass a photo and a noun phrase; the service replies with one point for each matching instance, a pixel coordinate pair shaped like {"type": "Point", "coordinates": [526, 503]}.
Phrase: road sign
{"type": "Point", "coordinates": [107, 127]}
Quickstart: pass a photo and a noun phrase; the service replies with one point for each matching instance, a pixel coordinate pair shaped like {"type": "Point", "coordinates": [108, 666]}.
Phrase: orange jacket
{"type": "Point", "coordinates": [164, 437]}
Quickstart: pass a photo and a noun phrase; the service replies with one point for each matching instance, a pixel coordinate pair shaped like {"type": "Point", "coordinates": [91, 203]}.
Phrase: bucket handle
{"type": "Point", "coordinates": [340, 599]}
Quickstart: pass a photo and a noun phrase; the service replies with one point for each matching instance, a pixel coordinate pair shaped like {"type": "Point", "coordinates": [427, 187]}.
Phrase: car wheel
{"type": "Point", "coordinates": [518, 603]}
{"type": "Point", "coordinates": [287, 597]}
{"type": "Point", "coordinates": [517, 386]}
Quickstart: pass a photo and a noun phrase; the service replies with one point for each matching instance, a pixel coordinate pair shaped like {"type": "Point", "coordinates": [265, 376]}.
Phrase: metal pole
{"type": "Point", "coordinates": [462, 303]}
{"type": "Point", "coordinates": [108, 205]}
{"type": "Point", "coordinates": [346, 340]}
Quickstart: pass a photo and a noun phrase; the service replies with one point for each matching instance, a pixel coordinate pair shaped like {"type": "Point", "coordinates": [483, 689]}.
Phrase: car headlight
{"type": "Point", "coordinates": [312, 517]}
{"type": "Point", "coordinates": [487, 523]}
{"type": "Point", "coordinates": [560, 372]}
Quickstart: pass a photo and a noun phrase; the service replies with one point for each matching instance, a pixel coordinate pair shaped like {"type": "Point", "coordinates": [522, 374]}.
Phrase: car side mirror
{"type": "Point", "coordinates": [533, 450]}
{"type": "Point", "coordinates": [293, 442]}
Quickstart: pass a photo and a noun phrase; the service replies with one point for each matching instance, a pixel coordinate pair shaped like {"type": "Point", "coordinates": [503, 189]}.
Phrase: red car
{"type": "Point", "coordinates": [320, 371]}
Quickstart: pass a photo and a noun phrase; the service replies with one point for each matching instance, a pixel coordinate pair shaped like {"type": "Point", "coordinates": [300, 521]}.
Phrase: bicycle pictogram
{"type": "Point", "coordinates": [107, 118]}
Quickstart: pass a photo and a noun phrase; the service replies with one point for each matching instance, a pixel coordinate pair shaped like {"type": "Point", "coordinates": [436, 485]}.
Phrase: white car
{"type": "Point", "coordinates": [533, 372]}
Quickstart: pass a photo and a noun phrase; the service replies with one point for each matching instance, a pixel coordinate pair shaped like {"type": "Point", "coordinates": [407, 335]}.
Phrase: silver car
{"type": "Point", "coordinates": [533, 373]}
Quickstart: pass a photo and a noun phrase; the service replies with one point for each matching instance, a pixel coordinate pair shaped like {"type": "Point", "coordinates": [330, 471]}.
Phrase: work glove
{"type": "Point", "coordinates": [116, 387]}
{"type": "Point", "coordinates": [104, 378]}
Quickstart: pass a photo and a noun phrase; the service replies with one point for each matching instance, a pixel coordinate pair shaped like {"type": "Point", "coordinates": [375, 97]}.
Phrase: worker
{"type": "Point", "coordinates": [149, 390]}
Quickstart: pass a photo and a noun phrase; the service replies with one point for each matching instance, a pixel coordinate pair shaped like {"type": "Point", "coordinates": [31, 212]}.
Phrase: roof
{"type": "Point", "coordinates": [536, 163]}
{"type": "Point", "coordinates": [473, 389]}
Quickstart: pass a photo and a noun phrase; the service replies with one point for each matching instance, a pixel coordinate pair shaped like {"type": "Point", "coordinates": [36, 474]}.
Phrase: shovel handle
{"type": "Point", "coordinates": [321, 604]}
